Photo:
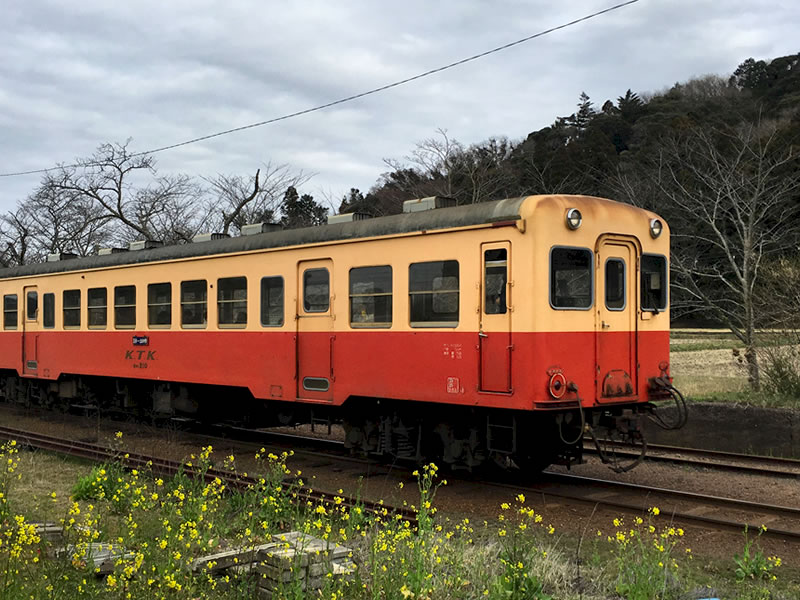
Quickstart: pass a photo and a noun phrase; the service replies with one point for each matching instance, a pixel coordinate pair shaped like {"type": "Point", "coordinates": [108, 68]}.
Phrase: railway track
{"type": "Point", "coordinates": [782, 522]}
{"type": "Point", "coordinates": [712, 459]}
{"type": "Point", "coordinates": [168, 468]}
{"type": "Point", "coordinates": [683, 507]}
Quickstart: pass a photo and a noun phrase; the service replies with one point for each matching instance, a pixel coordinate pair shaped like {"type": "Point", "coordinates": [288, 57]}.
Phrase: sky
{"type": "Point", "coordinates": [74, 75]}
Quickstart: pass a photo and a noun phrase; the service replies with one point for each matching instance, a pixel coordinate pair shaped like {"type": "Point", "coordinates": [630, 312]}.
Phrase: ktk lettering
{"type": "Point", "coordinates": [129, 354]}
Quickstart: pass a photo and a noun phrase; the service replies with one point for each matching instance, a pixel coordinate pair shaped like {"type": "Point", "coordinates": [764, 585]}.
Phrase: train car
{"type": "Point", "coordinates": [495, 333]}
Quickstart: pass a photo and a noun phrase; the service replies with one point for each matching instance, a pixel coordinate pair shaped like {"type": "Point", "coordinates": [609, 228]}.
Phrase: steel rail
{"type": "Point", "coordinates": [694, 457]}
{"type": "Point", "coordinates": [590, 490]}
{"type": "Point", "coordinates": [170, 468]}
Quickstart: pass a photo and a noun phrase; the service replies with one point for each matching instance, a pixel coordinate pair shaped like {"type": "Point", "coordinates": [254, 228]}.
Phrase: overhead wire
{"type": "Point", "coordinates": [346, 99]}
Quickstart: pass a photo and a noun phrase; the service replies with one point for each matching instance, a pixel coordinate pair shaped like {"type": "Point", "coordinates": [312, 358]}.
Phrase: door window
{"type": "Point", "coordinates": [32, 304]}
{"type": "Point", "coordinates": [316, 291]}
{"type": "Point", "coordinates": [615, 284]}
{"type": "Point", "coordinates": [495, 278]}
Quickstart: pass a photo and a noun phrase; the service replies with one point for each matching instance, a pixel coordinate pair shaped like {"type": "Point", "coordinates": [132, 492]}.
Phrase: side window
{"type": "Point", "coordinates": [371, 297]}
{"type": "Point", "coordinates": [49, 310]}
{"type": "Point", "coordinates": [32, 305]}
{"type": "Point", "coordinates": [654, 282]}
{"type": "Point", "coordinates": [232, 301]}
{"type": "Point", "coordinates": [194, 295]}
{"type": "Point", "coordinates": [615, 284]}
{"type": "Point", "coordinates": [433, 294]}
{"type": "Point", "coordinates": [10, 314]}
{"type": "Point", "coordinates": [495, 279]}
{"type": "Point", "coordinates": [98, 307]}
{"type": "Point", "coordinates": [571, 278]}
{"type": "Point", "coordinates": [71, 308]}
{"type": "Point", "coordinates": [159, 304]}
{"type": "Point", "coordinates": [316, 290]}
{"type": "Point", "coordinates": [125, 307]}
{"type": "Point", "coordinates": [272, 301]}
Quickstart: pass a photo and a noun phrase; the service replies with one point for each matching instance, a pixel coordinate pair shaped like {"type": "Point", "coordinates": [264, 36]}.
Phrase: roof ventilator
{"type": "Point", "coordinates": [207, 237]}
{"type": "Point", "coordinates": [254, 228]}
{"type": "Point", "coordinates": [428, 203]}
{"type": "Point", "coordinates": [61, 256]}
{"type": "Point", "coordinates": [145, 244]}
{"type": "Point", "coordinates": [348, 218]}
{"type": "Point", "coordinates": [106, 251]}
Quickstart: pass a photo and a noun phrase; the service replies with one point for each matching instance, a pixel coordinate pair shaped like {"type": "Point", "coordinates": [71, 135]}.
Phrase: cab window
{"type": "Point", "coordinates": [571, 278]}
{"type": "Point", "coordinates": [654, 282]}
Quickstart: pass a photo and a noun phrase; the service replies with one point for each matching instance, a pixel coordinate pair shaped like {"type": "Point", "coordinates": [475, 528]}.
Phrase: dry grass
{"type": "Point", "coordinates": [41, 474]}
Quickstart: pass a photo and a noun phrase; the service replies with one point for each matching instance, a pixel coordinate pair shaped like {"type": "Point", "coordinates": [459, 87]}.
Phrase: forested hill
{"type": "Point", "coordinates": [604, 148]}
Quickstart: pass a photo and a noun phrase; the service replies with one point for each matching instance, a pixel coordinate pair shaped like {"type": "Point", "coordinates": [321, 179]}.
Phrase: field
{"type": "Point", "coordinates": [708, 365]}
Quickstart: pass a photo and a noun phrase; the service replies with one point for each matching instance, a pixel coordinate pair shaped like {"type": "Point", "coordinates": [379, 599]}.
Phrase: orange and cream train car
{"type": "Point", "coordinates": [500, 331]}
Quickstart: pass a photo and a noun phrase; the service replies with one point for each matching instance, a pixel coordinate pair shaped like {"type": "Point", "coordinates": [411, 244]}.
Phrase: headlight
{"type": "Point", "coordinates": [656, 227]}
{"type": "Point", "coordinates": [574, 218]}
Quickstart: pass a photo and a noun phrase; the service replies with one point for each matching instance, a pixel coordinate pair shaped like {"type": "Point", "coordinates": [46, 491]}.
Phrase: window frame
{"type": "Point", "coordinates": [624, 283]}
{"type": "Point", "coordinates": [90, 308]}
{"type": "Point", "coordinates": [7, 311]}
{"type": "Point", "coordinates": [118, 306]}
{"type": "Point", "coordinates": [504, 291]}
{"type": "Point", "coordinates": [550, 278]}
{"type": "Point", "coordinates": [262, 305]}
{"type": "Point", "coordinates": [49, 310]}
{"type": "Point", "coordinates": [232, 302]}
{"type": "Point", "coordinates": [65, 308]}
{"type": "Point", "coordinates": [203, 304]}
{"type": "Point", "coordinates": [158, 305]}
{"type": "Point", "coordinates": [305, 287]}
{"type": "Point", "coordinates": [665, 284]}
{"type": "Point", "coordinates": [350, 295]}
{"type": "Point", "coordinates": [35, 295]}
{"type": "Point", "coordinates": [435, 324]}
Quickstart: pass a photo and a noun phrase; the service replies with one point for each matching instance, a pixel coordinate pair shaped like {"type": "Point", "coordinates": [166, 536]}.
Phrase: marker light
{"type": "Point", "coordinates": [656, 227]}
{"type": "Point", "coordinates": [574, 218]}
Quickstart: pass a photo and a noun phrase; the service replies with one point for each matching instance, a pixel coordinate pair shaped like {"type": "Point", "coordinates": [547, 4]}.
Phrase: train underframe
{"type": "Point", "coordinates": [462, 438]}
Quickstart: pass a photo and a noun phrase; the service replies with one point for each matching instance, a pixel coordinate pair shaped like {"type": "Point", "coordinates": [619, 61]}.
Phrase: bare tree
{"type": "Point", "coordinates": [65, 222]}
{"type": "Point", "coordinates": [732, 199]}
{"type": "Point", "coordinates": [241, 200]}
{"type": "Point", "coordinates": [15, 236]}
{"type": "Point", "coordinates": [125, 186]}
{"type": "Point", "coordinates": [433, 167]}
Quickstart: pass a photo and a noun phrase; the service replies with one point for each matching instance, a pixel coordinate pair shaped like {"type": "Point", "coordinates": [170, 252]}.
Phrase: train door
{"type": "Point", "coordinates": [30, 330]}
{"type": "Point", "coordinates": [616, 340]}
{"type": "Point", "coordinates": [494, 335]}
{"type": "Point", "coordinates": [315, 338]}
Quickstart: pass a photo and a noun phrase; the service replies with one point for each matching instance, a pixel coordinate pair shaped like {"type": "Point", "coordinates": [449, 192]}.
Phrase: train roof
{"type": "Point", "coordinates": [440, 218]}
{"type": "Point", "coordinates": [427, 220]}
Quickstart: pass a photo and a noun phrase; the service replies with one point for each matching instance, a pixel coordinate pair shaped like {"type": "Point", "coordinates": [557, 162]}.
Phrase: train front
{"type": "Point", "coordinates": [602, 333]}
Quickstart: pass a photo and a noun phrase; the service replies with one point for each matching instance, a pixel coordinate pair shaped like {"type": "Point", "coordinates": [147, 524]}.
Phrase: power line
{"type": "Point", "coordinates": [349, 98]}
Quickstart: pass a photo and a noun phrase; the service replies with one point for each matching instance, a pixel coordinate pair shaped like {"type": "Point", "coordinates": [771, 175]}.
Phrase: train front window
{"type": "Point", "coordinates": [98, 307]}
{"type": "Point", "coordinates": [71, 308]}
{"type": "Point", "coordinates": [125, 307]}
{"type": "Point", "coordinates": [571, 278]}
{"type": "Point", "coordinates": [615, 284]}
{"type": "Point", "coordinates": [433, 293]}
{"type": "Point", "coordinates": [193, 303]}
{"type": "Point", "coordinates": [316, 291]}
{"type": "Point", "coordinates": [10, 311]}
{"type": "Point", "coordinates": [371, 297]}
{"type": "Point", "coordinates": [495, 279]}
{"type": "Point", "coordinates": [654, 282]}
{"type": "Point", "coordinates": [232, 301]}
